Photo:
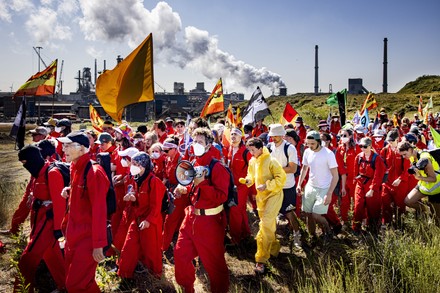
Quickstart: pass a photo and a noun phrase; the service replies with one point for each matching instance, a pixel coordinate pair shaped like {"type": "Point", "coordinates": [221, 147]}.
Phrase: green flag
{"type": "Point", "coordinates": [332, 100]}
{"type": "Point", "coordinates": [435, 137]}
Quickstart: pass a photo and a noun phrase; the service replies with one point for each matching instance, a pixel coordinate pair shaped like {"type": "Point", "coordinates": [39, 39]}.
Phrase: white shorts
{"type": "Point", "coordinates": [313, 200]}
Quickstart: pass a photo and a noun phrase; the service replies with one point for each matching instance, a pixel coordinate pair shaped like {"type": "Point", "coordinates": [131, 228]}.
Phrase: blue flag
{"type": "Point", "coordinates": [365, 120]}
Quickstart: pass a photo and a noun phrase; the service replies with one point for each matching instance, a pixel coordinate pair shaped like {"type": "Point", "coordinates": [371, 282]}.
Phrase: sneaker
{"type": "Point", "coordinates": [259, 268]}
{"type": "Point", "coordinates": [297, 239]}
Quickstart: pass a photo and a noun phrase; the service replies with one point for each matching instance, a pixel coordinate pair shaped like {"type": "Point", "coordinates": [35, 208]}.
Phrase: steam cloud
{"type": "Point", "coordinates": [129, 20]}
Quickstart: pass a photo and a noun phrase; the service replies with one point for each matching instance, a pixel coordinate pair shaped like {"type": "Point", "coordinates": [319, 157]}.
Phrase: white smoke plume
{"type": "Point", "coordinates": [129, 20]}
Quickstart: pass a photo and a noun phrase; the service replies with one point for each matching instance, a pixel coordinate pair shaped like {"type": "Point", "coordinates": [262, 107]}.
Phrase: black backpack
{"type": "Point", "coordinates": [167, 199]}
{"type": "Point", "coordinates": [64, 169]}
{"type": "Point", "coordinates": [111, 195]}
{"type": "Point", "coordinates": [286, 153]}
{"type": "Point", "coordinates": [232, 190]}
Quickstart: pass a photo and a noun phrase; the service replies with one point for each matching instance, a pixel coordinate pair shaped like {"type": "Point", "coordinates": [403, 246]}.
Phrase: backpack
{"type": "Point", "coordinates": [167, 200]}
{"type": "Point", "coordinates": [286, 153]}
{"type": "Point", "coordinates": [435, 154]}
{"type": "Point", "coordinates": [111, 195]}
{"type": "Point", "coordinates": [64, 169]}
{"type": "Point", "coordinates": [232, 190]}
{"type": "Point", "coordinates": [373, 165]}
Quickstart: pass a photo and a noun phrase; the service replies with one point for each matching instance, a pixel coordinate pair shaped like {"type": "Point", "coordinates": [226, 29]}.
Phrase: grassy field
{"type": "Point", "coordinates": [400, 260]}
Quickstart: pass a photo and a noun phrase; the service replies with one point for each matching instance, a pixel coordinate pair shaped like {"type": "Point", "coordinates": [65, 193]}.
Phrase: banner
{"type": "Point", "coordinates": [18, 129]}
{"type": "Point", "coordinates": [95, 118]}
{"type": "Point", "coordinates": [215, 102]}
{"type": "Point", "coordinates": [365, 120]}
{"type": "Point", "coordinates": [130, 82]}
{"type": "Point", "coordinates": [256, 109]}
{"type": "Point", "coordinates": [41, 84]}
{"type": "Point", "coordinates": [342, 101]}
{"type": "Point", "coordinates": [289, 114]}
{"type": "Point", "coordinates": [369, 103]}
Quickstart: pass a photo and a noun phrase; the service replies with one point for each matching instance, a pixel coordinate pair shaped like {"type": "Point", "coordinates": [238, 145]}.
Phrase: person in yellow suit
{"type": "Point", "coordinates": [269, 178]}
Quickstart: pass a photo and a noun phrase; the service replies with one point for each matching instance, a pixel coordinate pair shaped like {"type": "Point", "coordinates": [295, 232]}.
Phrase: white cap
{"type": "Point", "coordinates": [277, 130]}
{"type": "Point", "coordinates": [130, 152]}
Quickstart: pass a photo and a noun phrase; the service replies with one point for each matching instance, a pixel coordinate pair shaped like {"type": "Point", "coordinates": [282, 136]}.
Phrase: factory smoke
{"type": "Point", "coordinates": [129, 21]}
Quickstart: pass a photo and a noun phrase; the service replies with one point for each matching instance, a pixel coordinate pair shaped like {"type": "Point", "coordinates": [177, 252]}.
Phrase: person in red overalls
{"type": "Point", "coordinates": [346, 157]}
{"type": "Point", "coordinates": [370, 170]}
{"type": "Point", "coordinates": [86, 220]}
{"type": "Point", "coordinates": [238, 159]}
{"type": "Point", "coordinates": [144, 238]}
{"type": "Point", "coordinates": [94, 147]}
{"type": "Point", "coordinates": [259, 128]}
{"type": "Point", "coordinates": [300, 129]}
{"type": "Point", "coordinates": [203, 229]}
{"type": "Point", "coordinates": [174, 220]}
{"type": "Point", "coordinates": [161, 131]}
{"type": "Point", "coordinates": [378, 140]}
{"type": "Point", "coordinates": [47, 212]}
{"type": "Point", "coordinates": [158, 157]}
{"type": "Point", "coordinates": [335, 125]}
{"type": "Point", "coordinates": [170, 128]}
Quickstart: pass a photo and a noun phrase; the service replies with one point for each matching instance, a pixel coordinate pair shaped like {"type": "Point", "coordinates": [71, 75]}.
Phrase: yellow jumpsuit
{"type": "Point", "coordinates": [267, 170]}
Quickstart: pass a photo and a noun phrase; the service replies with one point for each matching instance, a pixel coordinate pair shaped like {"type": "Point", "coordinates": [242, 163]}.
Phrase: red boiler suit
{"type": "Point", "coordinates": [397, 167]}
{"type": "Point", "coordinates": [238, 218]}
{"type": "Point", "coordinates": [367, 178]}
{"type": "Point", "coordinates": [203, 235]}
{"type": "Point", "coordinates": [346, 159]}
{"type": "Point", "coordinates": [86, 227]}
{"type": "Point", "coordinates": [174, 220]}
{"type": "Point", "coordinates": [47, 213]}
{"type": "Point", "coordinates": [144, 245]}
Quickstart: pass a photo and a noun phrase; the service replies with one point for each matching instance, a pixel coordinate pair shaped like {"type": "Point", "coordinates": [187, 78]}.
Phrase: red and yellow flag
{"type": "Point", "coordinates": [369, 103]}
{"type": "Point", "coordinates": [41, 84]}
{"type": "Point", "coordinates": [130, 82]}
{"type": "Point", "coordinates": [420, 109]}
{"type": "Point", "coordinates": [238, 119]}
{"type": "Point", "coordinates": [230, 115]}
{"type": "Point", "coordinates": [215, 102]}
{"type": "Point", "coordinates": [95, 118]}
{"type": "Point", "coordinates": [289, 114]}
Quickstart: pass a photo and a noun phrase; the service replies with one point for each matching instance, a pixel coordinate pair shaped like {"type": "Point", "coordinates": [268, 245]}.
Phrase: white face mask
{"type": "Point", "coordinates": [378, 139]}
{"type": "Point", "coordinates": [335, 119]}
{"type": "Point", "coordinates": [298, 124]}
{"type": "Point", "coordinates": [345, 139]}
{"type": "Point", "coordinates": [58, 129]}
{"type": "Point", "coordinates": [135, 170]}
{"type": "Point", "coordinates": [124, 163]}
{"type": "Point", "coordinates": [155, 155]}
{"type": "Point", "coordinates": [199, 149]}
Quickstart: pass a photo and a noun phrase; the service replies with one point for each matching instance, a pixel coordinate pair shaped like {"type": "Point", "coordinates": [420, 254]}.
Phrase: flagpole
{"type": "Point", "coordinates": [39, 109]}
{"type": "Point", "coordinates": [53, 102]}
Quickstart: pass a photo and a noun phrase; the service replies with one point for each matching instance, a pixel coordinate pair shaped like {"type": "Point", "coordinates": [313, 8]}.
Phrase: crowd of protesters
{"type": "Point", "coordinates": [320, 174]}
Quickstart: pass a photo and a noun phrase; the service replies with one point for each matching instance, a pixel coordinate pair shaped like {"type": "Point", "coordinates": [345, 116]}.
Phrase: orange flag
{"type": "Point", "coordinates": [238, 119]}
{"type": "Point", "coordinates": [230, 115]}
{"type": "Point", "coordinates": [289, 114]}
{"type": "Point", "coordinates": [215, 102]}
{"type": "Point", "coordinates": [130, 82]}
{"type": "Point", "coordinates": [41, 83]}
{"type": "Point", "coordinates": [369, 103]}
{"type": "Point", "coordinates": [95, 118]}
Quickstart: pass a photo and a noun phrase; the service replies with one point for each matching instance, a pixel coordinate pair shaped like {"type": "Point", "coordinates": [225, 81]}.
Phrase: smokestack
{"type": "Point", "coordinates": [385, 66]}
{"type": "Point", "coordinates": [316, 70]}
{"type": "Point", "coordinates": [105, 67]}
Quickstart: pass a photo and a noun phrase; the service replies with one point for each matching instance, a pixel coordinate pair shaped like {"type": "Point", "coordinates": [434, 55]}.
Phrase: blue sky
{"type": "Point", "coordinates": [247, 43]}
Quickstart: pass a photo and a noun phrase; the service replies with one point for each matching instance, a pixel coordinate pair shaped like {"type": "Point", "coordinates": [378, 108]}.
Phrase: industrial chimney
{"type": "Point", "coordinates": [385, 66]}
{"type": "Point", "coordinates": [96, 71]}
{"type": "Point", "coordinates": [316, 70]}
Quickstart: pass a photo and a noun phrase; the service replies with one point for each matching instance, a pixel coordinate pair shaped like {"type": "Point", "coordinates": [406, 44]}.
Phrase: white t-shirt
{"type": "Point", "coordinates": [319, 164]}
{"type": "Point", "coordinates": [280, 156]}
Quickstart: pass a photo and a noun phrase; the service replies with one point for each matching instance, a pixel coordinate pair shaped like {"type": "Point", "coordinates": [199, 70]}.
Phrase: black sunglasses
{"type": "Point", "coordinates": [363, 146]}
{"type": "Point", "coordinates": [166, 151]}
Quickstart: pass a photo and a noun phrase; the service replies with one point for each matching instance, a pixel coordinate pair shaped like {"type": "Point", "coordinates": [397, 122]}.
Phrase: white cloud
{"type": "Point", "coordinates": [95, 53]}
{"type": "Point", "coordinates": [43, 26]}
{"type": "Point", "coordinates": [21, 5]}
{"type": "Point", "coordinates": [4, 12]}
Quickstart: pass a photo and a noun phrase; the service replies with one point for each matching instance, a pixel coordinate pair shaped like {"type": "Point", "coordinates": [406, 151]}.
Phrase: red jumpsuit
{"type": "Point", "coordinates": [119, 192]}
{"type": "Point", "coordinates": [202, 235]}
{"type": "Point", "coordinates": [346, 159]}
{"type": "Point", "coordinates": [335, 126]}
{"type": "Point", "coordinates": [47, 212]}
{"type": "Point", "coordinates": [144, 245]}
{"type": "Point", "coordinates": [259, 130]}
{"type": "Point", "coordinates": [368, 179]}
{"type": "Point", "coordinates": [397, 167]}
{"type": "Point", "coordinates": [238, 218]}
{"type": "Point", "coordinates": [159, 166]}
{"type": "Point", "coordinates": [174, 220]}
{"type": "Point", "coordinates": [86, 225]}
{"type": "Point", "coordinates": [302, 133]}
{"type": "Point", "coordinates": [162, 137]}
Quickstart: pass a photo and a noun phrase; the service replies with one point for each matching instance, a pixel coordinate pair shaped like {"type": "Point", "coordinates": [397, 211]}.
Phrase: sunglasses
{"type": "Point", "coordinates": [344, 135]}
{"type": "Point", "coordinates": [166, 151]}
{"type": "Point", "coordinates": [363, 146]}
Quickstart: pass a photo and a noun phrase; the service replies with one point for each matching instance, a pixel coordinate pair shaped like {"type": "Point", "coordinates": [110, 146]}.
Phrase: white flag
{"type": "Point", "coordinates": [257, 108]}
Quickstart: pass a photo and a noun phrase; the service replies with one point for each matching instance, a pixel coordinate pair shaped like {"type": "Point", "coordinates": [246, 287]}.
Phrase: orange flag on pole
{"type": "Point", "coordinates": [41, 83]}
{"type": "Point", "coordinates": [289, 114]}
{"type": "Point", "coordinates": [238, 119]}
{"type": "Point", "coordinates": [95, 118]}
{"type": "Point", "coordinates": [230, 115]}
{"type": "Point", "coordinates": [369, 103]}
{"type": "Point", "coordinates": [130, 82]}
{"type": "Point", "coordinates": [215, 102]}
